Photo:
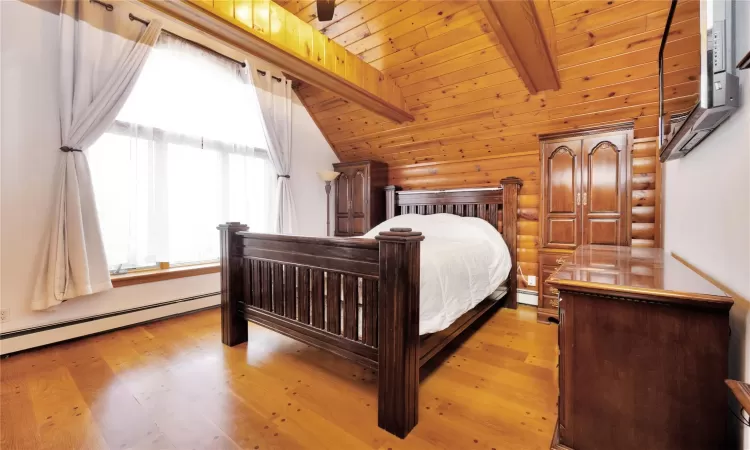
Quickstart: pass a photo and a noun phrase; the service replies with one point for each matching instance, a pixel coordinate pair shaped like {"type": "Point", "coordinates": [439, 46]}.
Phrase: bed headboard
{"type": "Point", "coordinates": [497, 205]}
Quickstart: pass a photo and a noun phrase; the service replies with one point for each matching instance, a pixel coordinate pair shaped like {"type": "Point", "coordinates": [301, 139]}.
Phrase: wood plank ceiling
{"type": "Point", "coordinates": [475, 122]}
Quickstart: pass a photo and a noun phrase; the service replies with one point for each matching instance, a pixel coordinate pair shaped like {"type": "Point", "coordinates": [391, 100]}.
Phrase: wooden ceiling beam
{"type": "Point", "coordinates": [268, 31]}
{"type": "Point", "coordinates": [523, 29]}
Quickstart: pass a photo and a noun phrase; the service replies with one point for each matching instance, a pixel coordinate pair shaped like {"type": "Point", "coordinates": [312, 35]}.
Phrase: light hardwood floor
{"type": "Point", "coordinates": [172, 385]}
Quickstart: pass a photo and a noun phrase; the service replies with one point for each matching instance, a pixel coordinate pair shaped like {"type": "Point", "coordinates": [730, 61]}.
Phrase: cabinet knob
{"type": "Point", "coordinates": [560, 260]}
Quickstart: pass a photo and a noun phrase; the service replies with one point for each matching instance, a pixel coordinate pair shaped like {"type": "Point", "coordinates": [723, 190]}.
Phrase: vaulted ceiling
{"type": "Point", "coordinates": [468, 100]}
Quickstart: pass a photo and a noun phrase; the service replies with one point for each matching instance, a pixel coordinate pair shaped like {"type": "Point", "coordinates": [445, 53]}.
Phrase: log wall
{"type": "Point", "coordinates": [486, 172]}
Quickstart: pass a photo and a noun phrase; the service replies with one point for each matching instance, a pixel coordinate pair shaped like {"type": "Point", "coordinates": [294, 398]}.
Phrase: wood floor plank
{"type": "Point", "coordinates": [62, 416]}
{"type": "Point", "coordinates": [117, 413]}
{"type": "Point", "coordinates": [17, 422]}
{"type": "Point", "coordinates": [173, 385]}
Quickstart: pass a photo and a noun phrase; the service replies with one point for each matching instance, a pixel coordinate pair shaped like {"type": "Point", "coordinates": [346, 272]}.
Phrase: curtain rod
{"type": "Point", "coordinates": [110, 7]}
{"type": "Point", "coordinates": [241, 63]}
{"type": "Point", "coordinates": [201, 46]}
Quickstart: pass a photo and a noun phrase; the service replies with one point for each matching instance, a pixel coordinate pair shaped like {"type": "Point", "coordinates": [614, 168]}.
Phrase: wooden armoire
{"type": "Point", "coordinates": [360, 197]}
{"type": "Point", "coordinates": [585, 199]}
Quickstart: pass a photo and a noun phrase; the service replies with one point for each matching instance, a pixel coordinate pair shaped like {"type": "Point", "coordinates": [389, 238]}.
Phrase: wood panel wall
{"type": "Point", "coordinates": [646, 201]}
{"type": "Point", "coordinates": [476, 123]}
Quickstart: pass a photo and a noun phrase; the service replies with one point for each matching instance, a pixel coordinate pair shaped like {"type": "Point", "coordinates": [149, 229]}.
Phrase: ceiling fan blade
{"type": "Point", "coordinates": [325, 10]}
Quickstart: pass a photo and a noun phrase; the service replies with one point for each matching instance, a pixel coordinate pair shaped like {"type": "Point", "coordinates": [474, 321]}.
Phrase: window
{"type": "Point", "coordinates": [186, 153]}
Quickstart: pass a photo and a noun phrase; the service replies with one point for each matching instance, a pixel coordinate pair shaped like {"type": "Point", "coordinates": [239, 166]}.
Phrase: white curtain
{"type": "Point", "coordinates": [275, 100]}
{"type": "Point", "coordinates": [186, 153]}
{"type": "Point", "coordinates": [101, 55]}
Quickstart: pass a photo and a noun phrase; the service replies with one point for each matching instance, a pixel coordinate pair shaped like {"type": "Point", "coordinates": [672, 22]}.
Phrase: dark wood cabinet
{"type": "Point", "coordinates": [360, 197]}
{"type": "Point", "coordinates": [585, 199]}
{"type": "Point", "coordinates": [643, 346]}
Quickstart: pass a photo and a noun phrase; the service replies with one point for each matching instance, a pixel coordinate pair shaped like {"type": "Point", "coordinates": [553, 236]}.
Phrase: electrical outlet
{"type": "Point", "coordinates": [4, 315]}
{"type": "Point", "coordinates": [532, 280]}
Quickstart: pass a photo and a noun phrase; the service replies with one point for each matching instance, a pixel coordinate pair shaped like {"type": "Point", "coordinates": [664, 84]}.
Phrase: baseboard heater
{"type": "Point", "coordinates": [70, 323]}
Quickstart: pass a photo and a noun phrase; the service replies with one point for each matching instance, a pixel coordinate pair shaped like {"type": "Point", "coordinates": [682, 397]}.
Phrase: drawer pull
{"type": "Point", "coordinates": [554, 303]}
{"type": "Point", "coordinates": [555, 291]}
{"type": "Point", "coordinates": [560, 260]}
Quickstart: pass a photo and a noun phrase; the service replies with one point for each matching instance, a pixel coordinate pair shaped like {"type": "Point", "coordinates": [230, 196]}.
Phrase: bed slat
{"type": "Point", "coordinates": [351, 298]}
{"type": "Point", "coordinates": [370, 312]}
{"type": "Point", "coordinates": [333, 302]}
{"type": "Point", "coordinates": [255, 268]}
{"type": "Point", "coordinates": [493, 215]}
{"type": "Point", "coordinates": [316, 299]}
{"type": "Point", "coordinates": [290, 291]}
{"type": "Point", "coordinates": [266, 285]}
{"type": "Point", "coordinates": [303, 275]}
{"type": "Point", "coordinates": [277, 271]}
{"type": "Point", "coordinates": [247, 281]}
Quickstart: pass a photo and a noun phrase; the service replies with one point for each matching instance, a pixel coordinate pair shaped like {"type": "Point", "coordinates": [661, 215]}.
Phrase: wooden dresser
{"type": "Point", "coordinates": [585, 199]}
{"type": "Point", "coordinates": [360, 197]}
{"type": "Point", "coordinates": [643, 352]}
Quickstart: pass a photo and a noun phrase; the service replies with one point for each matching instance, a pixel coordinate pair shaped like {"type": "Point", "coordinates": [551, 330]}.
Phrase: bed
{"type": "Point", "coordinates": [361, 298]}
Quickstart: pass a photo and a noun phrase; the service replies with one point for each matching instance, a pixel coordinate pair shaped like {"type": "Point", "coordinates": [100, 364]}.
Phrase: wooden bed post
{"type": "Point", "coordinates": [233, 323]}
{"type": "Point", "coordinates": [511, 187]}
{"type": "Point", "coordinates": [398, 330]}
{"type": "Point", "coordinates": [390, 202]}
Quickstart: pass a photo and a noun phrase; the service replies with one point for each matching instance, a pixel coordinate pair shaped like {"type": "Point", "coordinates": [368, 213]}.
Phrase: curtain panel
{"type": "Point", "coordinates": [101, 56]}
{"type": "Point", "coordinates": [275, 102]}
{"type": "Point", "coordinates": [169, 155]}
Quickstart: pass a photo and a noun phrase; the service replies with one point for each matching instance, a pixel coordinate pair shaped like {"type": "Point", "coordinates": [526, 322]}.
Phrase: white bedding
{"type": "Point", "coordinates": [463, 260]}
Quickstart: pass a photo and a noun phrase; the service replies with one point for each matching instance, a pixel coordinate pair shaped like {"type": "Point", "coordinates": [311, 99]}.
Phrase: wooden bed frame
{"type": "Point", "coordinates": [356, 297]}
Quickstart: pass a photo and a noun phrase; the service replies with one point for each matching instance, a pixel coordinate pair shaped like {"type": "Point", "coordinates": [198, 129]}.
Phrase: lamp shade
{"type": "Point", "coordinates": [328, 175]}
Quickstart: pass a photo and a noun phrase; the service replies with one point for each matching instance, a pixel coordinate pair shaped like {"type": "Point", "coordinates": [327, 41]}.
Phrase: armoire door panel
{"type": "Point", "coordinates": [605, 212]}
{"type": "Point", "coordinates": [561, 174]}
{"type": "Point", "coordinates": [342, 225]}
{"type": "Point", "coordinates": [359, 193]}
{"type": "Point", "coordinates": [603, 175]}
{"type": "Point", "coordinates": [561, 232]}
{"type": "Point", "coordinates": [358, 226]}
{"type": "Point", "coordinates": [603, 231]}
{"type": "Point", "coordinates": [343, 187]}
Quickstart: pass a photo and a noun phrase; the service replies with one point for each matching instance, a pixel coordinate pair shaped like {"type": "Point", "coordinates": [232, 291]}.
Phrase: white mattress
{"type": "Point", "coordinates": [463, 260]}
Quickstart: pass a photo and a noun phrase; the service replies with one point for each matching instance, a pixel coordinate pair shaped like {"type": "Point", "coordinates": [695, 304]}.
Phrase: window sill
{"type": "Point", "coordinates": [152, 276]}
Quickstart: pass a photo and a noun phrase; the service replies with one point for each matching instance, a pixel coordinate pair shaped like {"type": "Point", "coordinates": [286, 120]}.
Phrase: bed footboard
{"type": "Point", "coordinates": [358, 298]}
{"type": "Point", "coordinates": [322, 291]}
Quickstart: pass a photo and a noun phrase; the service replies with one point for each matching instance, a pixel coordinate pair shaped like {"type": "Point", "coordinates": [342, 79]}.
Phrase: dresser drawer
{"type": "Point", "coordinates": [549, 290]}
{"type": "Point", "coordinates": [552, 259]}
{"type": "Point", "coordinates": [549, 262]}
{"type": "Point", "coordinates": [550, 302]}
{"type": "Point", "coordinates": [546, 288]}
